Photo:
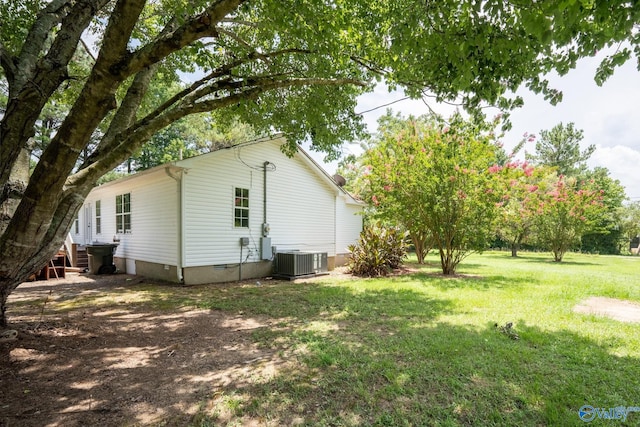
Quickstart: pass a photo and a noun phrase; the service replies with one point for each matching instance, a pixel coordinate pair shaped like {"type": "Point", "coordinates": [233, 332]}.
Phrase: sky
{"type": "Point", "coordinates": [608, 115]}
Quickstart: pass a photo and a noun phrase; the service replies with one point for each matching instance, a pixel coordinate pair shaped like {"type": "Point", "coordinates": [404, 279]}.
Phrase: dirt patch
{"type": "Point", "coordinates": [122, 363]}
{"type": "Point", "coordinates": [624, 311]}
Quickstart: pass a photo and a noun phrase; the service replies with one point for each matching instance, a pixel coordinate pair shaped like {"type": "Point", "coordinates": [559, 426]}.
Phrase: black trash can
{"type": "Point", "coordinates": [101, 258]}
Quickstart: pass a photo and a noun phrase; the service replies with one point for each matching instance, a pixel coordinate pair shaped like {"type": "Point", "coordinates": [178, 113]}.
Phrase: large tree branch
{"type": "Point", "coordinates": [126, 114]}
{"type": "Point", "coordinates": [40, 31]}
{"type": "Point", "coordinates": [36, 78]}
{"type": "Point", "coordinates": [203, 25]}
{"type": "Point", "coordinates": [220, 74]}
{"type": "Point", "coordinates": [129, 141]}
{"type": "Point", "coordinates": [7, 63]}
{"type": "Point", "coordinates": [93, 103]}
{"type": "Point", "coordinates": [117, 34]}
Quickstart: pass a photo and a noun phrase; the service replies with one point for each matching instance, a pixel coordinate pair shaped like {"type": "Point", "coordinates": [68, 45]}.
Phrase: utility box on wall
{"type": "Point", "coordinates": [265, 248]}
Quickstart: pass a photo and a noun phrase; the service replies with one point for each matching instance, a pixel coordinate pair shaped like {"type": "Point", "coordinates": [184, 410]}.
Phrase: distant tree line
{"type": "Point", "coordinates": [452, 187]}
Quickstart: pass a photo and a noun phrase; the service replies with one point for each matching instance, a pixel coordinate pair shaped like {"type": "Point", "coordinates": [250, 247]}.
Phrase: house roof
{"type": "Point", "coordinates": [319, 170]}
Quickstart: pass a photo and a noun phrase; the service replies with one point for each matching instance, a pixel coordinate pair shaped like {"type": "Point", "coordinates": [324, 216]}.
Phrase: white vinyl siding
{"type": "Point", "coordinates": [301, 208]}
{"type": "Point", "coordinates": [154, 223]}
{"type": "Point", "coordinates": [300, 205]}
{"type": "Point", "coordinates": [348, 224]}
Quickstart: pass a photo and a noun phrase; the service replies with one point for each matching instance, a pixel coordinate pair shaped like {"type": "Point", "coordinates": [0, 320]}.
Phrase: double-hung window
{"type": "Point", "coordinates": [241, 208]}
{"type": "Point", "coordinates": [123, 213]}
{"type": "Point", "coordinates": [98, 217]}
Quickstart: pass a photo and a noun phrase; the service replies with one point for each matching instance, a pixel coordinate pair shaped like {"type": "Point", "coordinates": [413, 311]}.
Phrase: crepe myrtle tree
{"type": "Point", "coordinates": [519, 200]}
{"type": "Point", "coordinates": [565, 211]}
{"type": "Point", "coordinates": [433, 177]}
{"type": "Point", "coordinates": [291, 66]}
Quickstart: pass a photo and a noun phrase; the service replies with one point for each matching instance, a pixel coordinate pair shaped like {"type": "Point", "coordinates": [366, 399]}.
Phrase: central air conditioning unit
{"type": "Point", "coordinates": [294, 263]}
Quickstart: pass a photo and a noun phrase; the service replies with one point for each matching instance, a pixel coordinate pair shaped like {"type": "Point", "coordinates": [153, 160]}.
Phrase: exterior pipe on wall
{"type": "Point", "coordinates": [177, 174]}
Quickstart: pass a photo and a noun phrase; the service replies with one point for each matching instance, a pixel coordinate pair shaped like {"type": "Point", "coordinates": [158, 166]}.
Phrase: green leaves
{"type": "Point", "coordinates": [432, 176]}
{"type": "Point", "coordinates": [379, 251]}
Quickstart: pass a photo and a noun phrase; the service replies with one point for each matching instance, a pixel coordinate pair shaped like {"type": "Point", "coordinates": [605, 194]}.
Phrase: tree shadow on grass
{"type": "Point", "coordinates": [441, 375]}
{"type": "Point", "coordinates": [534, 257]}
{"type": "Point", "coordinates": [299, 353]}
{"type": "Point", "coordinates": [468, 281]}
{"type": "Point", "coordinates": [144, 355]}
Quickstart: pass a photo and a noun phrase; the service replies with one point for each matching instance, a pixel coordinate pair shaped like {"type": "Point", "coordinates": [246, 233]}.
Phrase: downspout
{"type": "Point", "coordinates": [177, 174]}
{"type": "Point", "coordinates": [264, 195]}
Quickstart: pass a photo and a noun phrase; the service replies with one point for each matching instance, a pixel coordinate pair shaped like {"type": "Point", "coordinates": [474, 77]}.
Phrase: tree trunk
{"type": "Point", "coordinates": [22, 255]}
{"type": "Point", "coordinates": [420, 243]}
{"type": "Point", "coordinates": [558, 255]}
{"type": "Point", "coordinates": [14, 189]}
{"type": "Point", "coordinates": [515, 245]}
{"type": "Point", "coordinates": [447, 262]}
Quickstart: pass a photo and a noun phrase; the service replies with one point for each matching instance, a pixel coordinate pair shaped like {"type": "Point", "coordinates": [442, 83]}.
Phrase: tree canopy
{"type": "Point", "coordinates": [560, 148]}
{"type": "Point", "coordinates": [434, 178]}
{"type": "Point", "coordinates": [291, 66]}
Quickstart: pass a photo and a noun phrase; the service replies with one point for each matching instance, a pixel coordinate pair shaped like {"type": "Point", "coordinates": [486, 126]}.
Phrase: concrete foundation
{"type": "Point", "coordinates": [226, 273]}
{"type": "Point", "coordinates": [152, 270]}
{"type": "Point", "coordinates": [210, 273]}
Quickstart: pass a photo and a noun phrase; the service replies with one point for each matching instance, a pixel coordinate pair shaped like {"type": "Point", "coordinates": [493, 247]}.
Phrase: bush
{"type": "Point", "coordinates": [378, 251]}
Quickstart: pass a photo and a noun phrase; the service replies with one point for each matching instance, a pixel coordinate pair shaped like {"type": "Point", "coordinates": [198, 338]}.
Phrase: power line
{"type": "Point", "coordinates": [382, 106]}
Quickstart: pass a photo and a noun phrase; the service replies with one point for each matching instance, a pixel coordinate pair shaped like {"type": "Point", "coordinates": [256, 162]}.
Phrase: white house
{"type": "Point", "coordinates": [216, 217]}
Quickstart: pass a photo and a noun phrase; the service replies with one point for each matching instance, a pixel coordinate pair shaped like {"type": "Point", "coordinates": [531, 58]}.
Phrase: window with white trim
{"type": "Point", "coordinates": [98, 217]}
{"type": "Point", "coordinates": [76, 224]}
{"type": "Point", "coordinates": [123, 213]}
{"type": "Point", "coordinates": [241, 208]}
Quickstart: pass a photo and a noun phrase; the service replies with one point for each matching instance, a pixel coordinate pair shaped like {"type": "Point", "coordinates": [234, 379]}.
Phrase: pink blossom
{"type": "Point", "coordinates": [512, 165]}
{"type": "Point", "coordinates": [387, 188]}
{"type": "Point", "coordinates": [452, 178]}
{"type": "Point", "coordinates": [532, 188]}
{"type": "Point", "coordinates": [375, 200]}
{"type": "Point", "coordinates": [461, 195]}
{"type": "Point", "coordinates": [493, 169]}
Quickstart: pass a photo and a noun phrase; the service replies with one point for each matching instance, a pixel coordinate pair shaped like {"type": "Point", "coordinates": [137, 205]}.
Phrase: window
{"type": "Point", "coordinates": [123, 213]}
{"type": "Point", "coordinates": [241, 208]}
{"type": "Point", "coordinates": [98, 217]}
{"type": "Point", "coordinates": [76, 224]}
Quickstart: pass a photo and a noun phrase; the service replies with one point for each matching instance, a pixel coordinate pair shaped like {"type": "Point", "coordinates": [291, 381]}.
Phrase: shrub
{"type": "Point", "coordinates": [378, 251]}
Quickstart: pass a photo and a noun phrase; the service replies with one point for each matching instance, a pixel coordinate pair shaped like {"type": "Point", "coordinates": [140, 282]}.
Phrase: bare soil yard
{"type": "Point", "coordinates": [621, 310]}
{"type": "Point", "coordinates": [124, 364]}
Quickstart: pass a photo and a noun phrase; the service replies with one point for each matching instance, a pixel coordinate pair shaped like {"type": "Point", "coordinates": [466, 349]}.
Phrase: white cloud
{"type": "Point", "coordinates": [622, 162]}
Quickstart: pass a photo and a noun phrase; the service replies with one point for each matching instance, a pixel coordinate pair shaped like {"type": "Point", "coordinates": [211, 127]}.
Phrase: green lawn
{"type": "Point", "coordinates": [424, 350]}
{"type": "Point", "coordinates": [421, 349]}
